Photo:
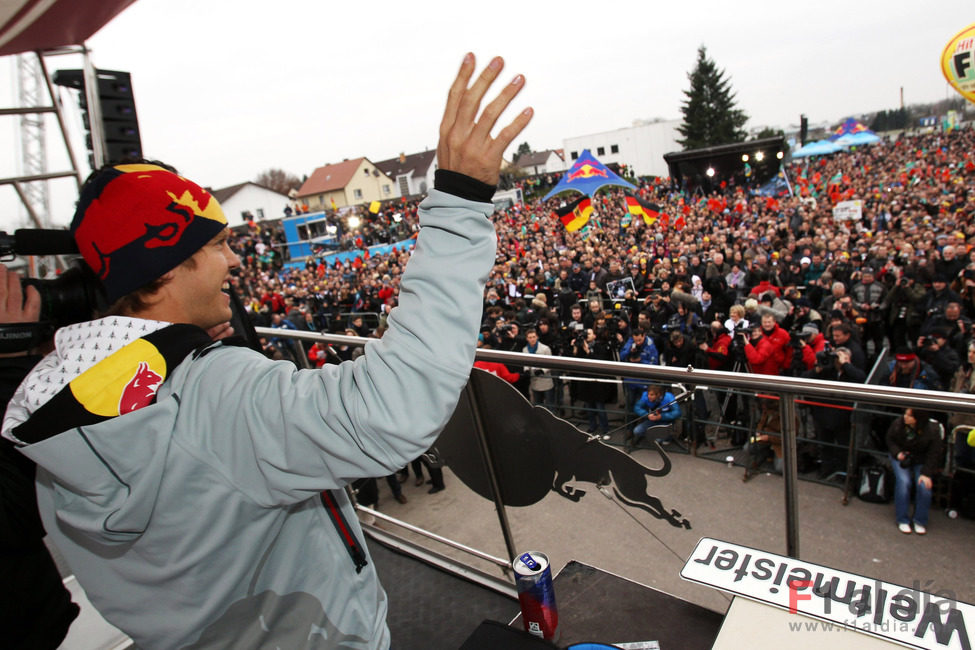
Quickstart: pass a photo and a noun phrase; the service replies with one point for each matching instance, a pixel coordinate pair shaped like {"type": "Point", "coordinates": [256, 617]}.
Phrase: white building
{"type": "Point", "coordinates": [249, 201]}
{"type": "Point", "coordinates": [413, 174]}
{"type": "Point", "coordinates": [641, 146]}
{"type": "Point", "coordinates": [542, 162]}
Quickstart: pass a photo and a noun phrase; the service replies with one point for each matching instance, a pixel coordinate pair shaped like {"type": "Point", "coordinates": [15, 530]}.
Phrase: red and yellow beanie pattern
{"type": "Point", "coordinates": [134, 223]}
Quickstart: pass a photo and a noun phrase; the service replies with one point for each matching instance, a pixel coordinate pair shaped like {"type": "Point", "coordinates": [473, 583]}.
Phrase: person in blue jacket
{"type": "Point", "coordinates": [659, 407]}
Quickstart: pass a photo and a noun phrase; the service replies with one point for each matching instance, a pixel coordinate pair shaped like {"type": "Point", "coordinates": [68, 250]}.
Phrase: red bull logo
{"type": "Point", "coordinates": [123, 382]}
{"type": "Point", "coordinates": [587, 171]}
{"type": "Point", "coordinates": [145, 205]}
{"type": "Point", "coordinates": [140, 390]}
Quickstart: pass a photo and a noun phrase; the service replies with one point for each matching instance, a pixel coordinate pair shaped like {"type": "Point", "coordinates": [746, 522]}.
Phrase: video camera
{"type": "Point", "coordinates": [826, 357]}
{"type": "Point", "coordinates": [74, 296]}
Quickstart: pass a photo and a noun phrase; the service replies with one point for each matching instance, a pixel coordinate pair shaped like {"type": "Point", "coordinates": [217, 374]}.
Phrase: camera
{"type": "Point", "coordinates": [825, 357]}
{"type": "Point", "coordinates": [74, 296]}
{"type": "Point", "coordinates": [907, 461]}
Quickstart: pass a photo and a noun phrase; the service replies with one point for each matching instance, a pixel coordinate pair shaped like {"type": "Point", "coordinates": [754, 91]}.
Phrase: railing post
{"type": "Point", "coordinates": [787, 415]}
{"type": "Point", "coordinates": [472, 399]}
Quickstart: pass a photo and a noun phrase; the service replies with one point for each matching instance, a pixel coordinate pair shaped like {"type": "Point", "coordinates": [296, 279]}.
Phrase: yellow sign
{"type": "Point", "coordinates": [958, 62]}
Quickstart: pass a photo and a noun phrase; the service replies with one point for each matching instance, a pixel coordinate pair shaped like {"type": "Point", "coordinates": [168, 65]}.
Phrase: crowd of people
{"type": "Point", "coordinates": [730, 280]}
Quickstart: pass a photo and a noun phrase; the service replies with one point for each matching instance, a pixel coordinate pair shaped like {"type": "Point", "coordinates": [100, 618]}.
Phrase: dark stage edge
{"type": "Point", "coordinates": [430, 609]}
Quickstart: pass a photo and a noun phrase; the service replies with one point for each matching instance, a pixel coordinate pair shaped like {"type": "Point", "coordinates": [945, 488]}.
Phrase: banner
{"type": "Point", "coordinates": [958, 62]}
{"type": "Point", "coordinates": [906, 616]}
{"type": "Point", "coordinates": [848, 211]}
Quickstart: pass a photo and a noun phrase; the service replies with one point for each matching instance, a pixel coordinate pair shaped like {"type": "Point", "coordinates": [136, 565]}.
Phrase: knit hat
{"type": "Point", "coordinates": [904, 353]}
{"type": "Point", "coordinates": [134, 223]}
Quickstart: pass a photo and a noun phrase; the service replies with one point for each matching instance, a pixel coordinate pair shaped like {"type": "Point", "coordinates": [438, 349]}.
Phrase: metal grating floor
{"type": "Point", "coordinates": [430, 609]}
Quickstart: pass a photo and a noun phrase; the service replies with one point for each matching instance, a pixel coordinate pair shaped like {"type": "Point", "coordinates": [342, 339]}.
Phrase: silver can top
{"type": "Point", "coordinates": [530, 563]}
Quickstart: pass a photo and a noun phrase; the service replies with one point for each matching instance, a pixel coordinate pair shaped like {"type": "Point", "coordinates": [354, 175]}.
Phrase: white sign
{"type": "Point", "coordinates": [848, 211]}
{"type": "Point", "coordinates": [910, 617]}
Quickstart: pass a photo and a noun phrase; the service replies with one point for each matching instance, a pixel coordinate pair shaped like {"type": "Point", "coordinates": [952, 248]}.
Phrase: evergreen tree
{"type": "Point", "coordinates": [710, 115]}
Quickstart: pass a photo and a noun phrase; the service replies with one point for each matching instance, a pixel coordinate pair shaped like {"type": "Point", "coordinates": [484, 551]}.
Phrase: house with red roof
{"type": "Point", "coordinates": [350, 182]}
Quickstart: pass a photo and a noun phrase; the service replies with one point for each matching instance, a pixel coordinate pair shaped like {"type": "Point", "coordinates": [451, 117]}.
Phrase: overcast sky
{"type": "Point", "coordinates": [228, 88]}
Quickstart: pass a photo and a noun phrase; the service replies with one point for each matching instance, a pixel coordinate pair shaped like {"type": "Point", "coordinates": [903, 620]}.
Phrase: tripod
{"type": "Point", "coordinates": [735, 435]}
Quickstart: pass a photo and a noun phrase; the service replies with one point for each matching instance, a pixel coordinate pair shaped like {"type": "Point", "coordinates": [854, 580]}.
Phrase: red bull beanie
{"type": "Point", "coordinates": [134, 223]}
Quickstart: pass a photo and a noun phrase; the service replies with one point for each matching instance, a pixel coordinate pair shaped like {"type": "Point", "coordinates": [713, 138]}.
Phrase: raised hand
{"type": "Point", "coordinates": [466, 145]}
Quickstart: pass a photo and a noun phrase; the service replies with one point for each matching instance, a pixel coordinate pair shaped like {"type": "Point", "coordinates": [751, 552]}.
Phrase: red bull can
{"type": "Point", "coordinates": [536, 594]}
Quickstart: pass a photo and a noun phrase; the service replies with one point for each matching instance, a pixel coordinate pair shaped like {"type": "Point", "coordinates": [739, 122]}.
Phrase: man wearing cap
{"type": "Point", "coordinates": [907, 371]}
{"type": "Point", "coordinates": [195, 488]}
{"type": "Point", "coordinates": [938, 297]}
{"type": "Point", "coordinates": [811, 343]}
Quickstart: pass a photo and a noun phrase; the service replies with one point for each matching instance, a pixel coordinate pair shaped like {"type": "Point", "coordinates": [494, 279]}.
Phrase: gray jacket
{"type": "Point", "coordinates": [197, 521]}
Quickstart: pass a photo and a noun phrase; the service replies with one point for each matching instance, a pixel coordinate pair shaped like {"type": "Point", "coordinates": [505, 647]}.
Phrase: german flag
{"type": "Point", "coordinates": [637, 206]}
{"type": "Point", "coordinates": [575, 215]}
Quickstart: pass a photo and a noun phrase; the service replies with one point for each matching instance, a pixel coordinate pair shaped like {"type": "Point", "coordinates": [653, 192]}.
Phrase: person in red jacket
{"type": "Point", "coordinates": [764, 286]}
{"type": "Point", "coordinates": [811, 343]}
{"type": "Point", "coordinates": [768, 351]}
{"type": "Point", "coordinates": [498, 369]}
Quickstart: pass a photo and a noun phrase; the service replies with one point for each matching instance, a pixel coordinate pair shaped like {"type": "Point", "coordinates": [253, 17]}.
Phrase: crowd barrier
{"type": "Point", "coordinates": [793, 394]}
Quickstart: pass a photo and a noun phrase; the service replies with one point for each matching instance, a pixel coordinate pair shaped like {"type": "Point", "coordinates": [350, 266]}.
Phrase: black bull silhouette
{"type": "Point", "coordinates": [534, 452]}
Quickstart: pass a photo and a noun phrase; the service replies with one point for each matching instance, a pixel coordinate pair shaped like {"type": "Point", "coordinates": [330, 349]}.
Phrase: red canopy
{"type": "Point", "coordinates": [28, 25]}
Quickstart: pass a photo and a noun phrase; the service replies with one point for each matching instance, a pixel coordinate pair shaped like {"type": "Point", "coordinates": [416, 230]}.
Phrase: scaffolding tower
{"type": "Point", "coordinates": [33, 139]}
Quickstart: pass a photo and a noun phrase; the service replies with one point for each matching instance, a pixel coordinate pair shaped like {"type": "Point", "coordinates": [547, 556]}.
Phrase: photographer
{"type": "Point", "coordinates": [957, 327]}
{"type": "Point", "coordinates": [833, 424]}
{"type": "Point", "coordinates": [869, 296]}
{"type": "Point", "coordinates": [594, 394]}
{"type": "Point", "coordinates": [914, 445]}
{"type": "Point", "coordinates": [938, 297]}
{"type": "Point", "coordinates": [812, 342]}
{"type": "Point", "coordinates": [935, 351]}
{"type": "Point", "coordinates": [38, 610]}
{"type": "Point", "coordinates": [542, 386]}
{"type": "Point", "coordinates": [767, 347]}
{"type": "Point", "coordinates": [659, 310]}
{"type": "Point", "coordinates": [679, 352]}
{"type": "Point", "coordinates": [638, 348]}
{"type": "Point", "coordinates": [904, 309]}
{"type": "Point", "coordinates": [718, 349]}
{"type": "Point", "coordinates": [842, 335]}
{"type": "Point", "coordinates": [659, 407]}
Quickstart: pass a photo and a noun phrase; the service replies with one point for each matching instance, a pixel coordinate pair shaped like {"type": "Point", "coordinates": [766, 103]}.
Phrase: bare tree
{"type": "Point", "coordinates": [278, 180]}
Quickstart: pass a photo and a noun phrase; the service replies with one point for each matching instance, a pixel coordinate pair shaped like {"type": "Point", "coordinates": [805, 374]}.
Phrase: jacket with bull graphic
{"type": "Point", "coordinates": [187, 494]}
